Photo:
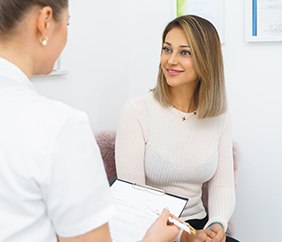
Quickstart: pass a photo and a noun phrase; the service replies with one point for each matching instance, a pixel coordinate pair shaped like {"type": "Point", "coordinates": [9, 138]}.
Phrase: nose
{"type": "Point", "coordinates": [172, 60]}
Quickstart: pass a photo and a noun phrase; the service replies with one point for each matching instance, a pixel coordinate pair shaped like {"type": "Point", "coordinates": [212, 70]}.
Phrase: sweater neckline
{"type": "Point", "coordinates": [183, 115]}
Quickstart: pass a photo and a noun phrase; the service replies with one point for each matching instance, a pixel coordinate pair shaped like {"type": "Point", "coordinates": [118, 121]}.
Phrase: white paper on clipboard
{"type": "Point", "coordinates": [136, 209]}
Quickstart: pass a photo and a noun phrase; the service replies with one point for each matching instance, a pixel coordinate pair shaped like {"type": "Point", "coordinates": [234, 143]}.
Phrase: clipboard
{"type": "Point", "coordinates": [137, 207]}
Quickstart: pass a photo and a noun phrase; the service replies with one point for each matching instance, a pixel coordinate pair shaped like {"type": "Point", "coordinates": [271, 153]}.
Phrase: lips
{"type": "Point", "coordinates": [173, 72]}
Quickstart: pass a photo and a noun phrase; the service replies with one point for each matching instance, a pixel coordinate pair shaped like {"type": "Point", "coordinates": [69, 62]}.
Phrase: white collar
{"type": "Point", "coordinates": [12, 76]}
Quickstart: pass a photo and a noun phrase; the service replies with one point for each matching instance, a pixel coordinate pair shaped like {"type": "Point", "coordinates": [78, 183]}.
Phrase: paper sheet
{"type": "Point", "coordinates": [136, 210]}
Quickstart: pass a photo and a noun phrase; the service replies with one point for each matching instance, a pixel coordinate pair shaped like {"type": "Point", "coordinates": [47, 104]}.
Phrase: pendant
{"type": "Point", "coordinates": [183, 118]}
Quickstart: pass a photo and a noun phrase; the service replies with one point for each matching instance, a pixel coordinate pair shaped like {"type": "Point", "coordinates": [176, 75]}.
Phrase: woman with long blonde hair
{"type": "Point", "coordinates": [178, 136]}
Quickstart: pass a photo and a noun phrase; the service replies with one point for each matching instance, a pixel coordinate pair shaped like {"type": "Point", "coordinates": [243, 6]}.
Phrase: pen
{"type": "Point", "coordinates": [178, 222]}
{"type": "Point", "coordinates": [182, 225]}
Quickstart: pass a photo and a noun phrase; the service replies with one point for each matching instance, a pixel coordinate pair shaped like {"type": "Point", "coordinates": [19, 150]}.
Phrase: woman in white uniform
{"type": "Point", "coordinates": [52, 183]}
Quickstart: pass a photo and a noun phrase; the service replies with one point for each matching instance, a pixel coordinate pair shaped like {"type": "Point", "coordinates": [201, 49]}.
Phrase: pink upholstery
{"type": "Point", "coordinates": [106, 143]}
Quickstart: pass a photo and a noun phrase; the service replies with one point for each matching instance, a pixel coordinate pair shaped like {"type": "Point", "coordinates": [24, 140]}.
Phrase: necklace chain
{"type": "Point", "coordinates": [182, 115]}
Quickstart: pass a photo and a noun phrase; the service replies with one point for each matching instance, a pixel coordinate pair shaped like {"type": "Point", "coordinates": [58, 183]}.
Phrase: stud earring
{"type": "Point", "coordinates": [44, 41]}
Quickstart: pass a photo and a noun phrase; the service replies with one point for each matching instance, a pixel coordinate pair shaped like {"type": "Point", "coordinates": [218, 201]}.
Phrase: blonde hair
{"type": "Point", "coordinates": [203, 39]}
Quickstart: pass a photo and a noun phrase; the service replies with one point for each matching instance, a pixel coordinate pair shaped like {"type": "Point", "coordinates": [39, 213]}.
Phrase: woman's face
{"type": "Point", "coordinates": [57, 38]}
{"type": "Point", "coordinates": [176, 60]}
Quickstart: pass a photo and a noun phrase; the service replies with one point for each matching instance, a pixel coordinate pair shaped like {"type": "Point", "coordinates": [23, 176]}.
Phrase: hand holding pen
{"type": "Point", "coordinates": [167, 226]}
{"type": "Point", "coordinates": [172, 219]}
{"type": "Point", "coordinates": [182, 225]}
{"type": "Point", "coordinates": [160, 230]}
{"type": "Point", "coordinates": [205, 235]}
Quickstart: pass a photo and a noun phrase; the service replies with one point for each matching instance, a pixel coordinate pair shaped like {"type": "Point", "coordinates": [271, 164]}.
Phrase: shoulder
{"type": "Point", "coordinates": [44, 117]}
{"type": "Point", "coordinates": [225, 118]}
{"type": "Point", "coordinates": [217, 123]}
{"type": "Point", "coordinates": [32, 106]}
{"type": "Point", "coordinates": [42, 107]}
{"type": "Point", "coordinates": [220, 119]}
{"type": "Point", "coordinates": [223, 121]}
{"type": "Point", "coordinates": [141, 102]}
{"type": "Point", "coordinates": [58, 117]}
{"type": "Point", "coordinates": [57, 110]}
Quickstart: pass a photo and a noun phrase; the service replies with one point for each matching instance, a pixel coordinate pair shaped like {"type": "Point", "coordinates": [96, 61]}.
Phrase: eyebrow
{"type": "Point", "coordinates": [181, 46]}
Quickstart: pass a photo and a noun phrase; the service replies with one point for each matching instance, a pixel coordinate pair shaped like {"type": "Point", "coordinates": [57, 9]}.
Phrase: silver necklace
{"type": "Point", "coordinates": [184, 116]}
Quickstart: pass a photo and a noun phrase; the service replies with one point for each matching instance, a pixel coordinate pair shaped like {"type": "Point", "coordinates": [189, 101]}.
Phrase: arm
{"type": "Point", "coordinates": [130, 146]}
{"type": "Point", "coordinates": [158, 232]}
{"type": "Point", "coordinates": [97, 235]}
{"type": "Point", "coordinates": [76, 190]}
{"type": "Point", "coordinates": [221, 186]}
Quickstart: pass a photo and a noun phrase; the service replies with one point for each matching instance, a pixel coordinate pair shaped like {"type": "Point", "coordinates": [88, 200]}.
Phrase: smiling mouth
{"type": "Point", "coordinates": [173, 72]}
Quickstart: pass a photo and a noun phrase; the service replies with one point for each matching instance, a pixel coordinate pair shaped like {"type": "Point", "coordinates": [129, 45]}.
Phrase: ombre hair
{"type": "Point", "coordinates": [209, 95]}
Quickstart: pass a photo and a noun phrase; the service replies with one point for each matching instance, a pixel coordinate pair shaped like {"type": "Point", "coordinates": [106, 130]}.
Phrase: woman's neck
{"type": "Point", "coordinates": [18, 55]}
{"type": "Point", "coordinates": [183, 106]}
{"type": "Point", "coordinates": [183, 100]}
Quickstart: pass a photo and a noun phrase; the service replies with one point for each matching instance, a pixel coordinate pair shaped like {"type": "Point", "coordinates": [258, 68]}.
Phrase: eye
{"type": "Point", "coordinates": [167, 50]}
{"type": "Point", "coordinates": [185, 52]}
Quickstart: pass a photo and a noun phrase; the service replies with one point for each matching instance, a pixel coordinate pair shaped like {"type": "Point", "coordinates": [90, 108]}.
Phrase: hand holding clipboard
{"type": "Point", "coordinates": [137, 208]}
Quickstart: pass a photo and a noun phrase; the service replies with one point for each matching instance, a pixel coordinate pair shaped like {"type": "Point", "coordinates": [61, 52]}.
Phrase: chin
{"type": "Point", "coordinates": [172, 83]}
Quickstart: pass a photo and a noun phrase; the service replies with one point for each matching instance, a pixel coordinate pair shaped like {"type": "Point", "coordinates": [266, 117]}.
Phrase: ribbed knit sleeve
{"type": "Point", "coordinates": [156, 147]}
{"type": "Point", "coordinates": [130, 146]}
{"type": "Point", "coordinates": [221, 187]}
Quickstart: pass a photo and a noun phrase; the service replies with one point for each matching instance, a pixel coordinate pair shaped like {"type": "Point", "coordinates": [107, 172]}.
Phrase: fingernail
{"type": "Point", "coordinates": [214, 240]}
{"type": "Point", "coordinates": [167, 209]}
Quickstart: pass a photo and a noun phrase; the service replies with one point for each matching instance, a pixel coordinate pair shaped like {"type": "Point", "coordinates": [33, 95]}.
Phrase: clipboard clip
{"type": "Point", "coordinates": [148, 188]}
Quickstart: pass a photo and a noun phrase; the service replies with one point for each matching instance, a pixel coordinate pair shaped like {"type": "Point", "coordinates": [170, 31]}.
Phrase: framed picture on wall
{"type": "Point", "coordinates": [263, 20]}
{"type": "Point", "coordinates": [212, 10]}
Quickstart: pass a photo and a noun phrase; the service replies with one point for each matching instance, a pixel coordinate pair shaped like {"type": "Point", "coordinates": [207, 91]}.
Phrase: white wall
{"type": "Point", "coordinates": [146, 23]}
{"type": "Point", "coordinates": [113, 54]}
{"type": "Point", "coordinates": [254, 78]}
{"type": "Point", "coordinates": [96, 58]}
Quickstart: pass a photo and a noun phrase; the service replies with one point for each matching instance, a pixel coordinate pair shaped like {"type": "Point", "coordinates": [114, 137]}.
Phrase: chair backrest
{"type": "Point", "coordinates": [106, 143]}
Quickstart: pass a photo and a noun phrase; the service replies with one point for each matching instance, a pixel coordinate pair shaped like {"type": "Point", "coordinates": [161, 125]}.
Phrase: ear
{"type": "Point", "coordinates": [43, 22]}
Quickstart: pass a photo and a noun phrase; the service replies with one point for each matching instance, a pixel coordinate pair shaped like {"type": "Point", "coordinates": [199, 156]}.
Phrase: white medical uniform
{"type": "Point", "coordinates": [52, 179]}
